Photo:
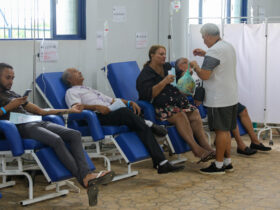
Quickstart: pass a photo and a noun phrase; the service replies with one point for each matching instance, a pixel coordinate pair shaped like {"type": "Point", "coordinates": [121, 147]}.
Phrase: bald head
{"type": "Point", "coordinates": [72, 77]}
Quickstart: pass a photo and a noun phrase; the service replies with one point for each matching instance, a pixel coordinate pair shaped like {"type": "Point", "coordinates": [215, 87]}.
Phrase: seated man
{"type": "Point", "coordinates": [110, 114]}
{"type": "Point", "coordinates": [51, 134]}
{"type": "Point", "coordinates": [181, 66]}
{"type": "Point", "coordinates": [246, 122]}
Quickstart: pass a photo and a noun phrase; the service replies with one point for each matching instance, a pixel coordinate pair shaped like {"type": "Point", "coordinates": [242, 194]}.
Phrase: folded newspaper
{"type": "Point", "coordinates": [19, 118]}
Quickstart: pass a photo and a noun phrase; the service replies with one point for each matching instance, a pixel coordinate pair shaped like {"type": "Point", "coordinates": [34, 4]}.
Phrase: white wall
{"type": "Point", "coordinates": [142, 16]}
{"type": "Point", "coordinates": [178, 28]}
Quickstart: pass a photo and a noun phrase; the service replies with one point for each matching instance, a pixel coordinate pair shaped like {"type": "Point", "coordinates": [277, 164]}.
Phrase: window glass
{"type": "Point", "coordinates": [66, 12]}
{"type": "Point", "coordinates": [193, 11]}
{"type": "Point", "coordinates": [213, 10]}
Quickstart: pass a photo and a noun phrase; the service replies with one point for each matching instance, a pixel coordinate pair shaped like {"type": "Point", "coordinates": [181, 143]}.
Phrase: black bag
{"type": "Point", "coordinates": [199, 93]}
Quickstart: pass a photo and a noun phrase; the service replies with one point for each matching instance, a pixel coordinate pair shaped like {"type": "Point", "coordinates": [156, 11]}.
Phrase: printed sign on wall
{"type": "Point", "coordinates": [141, 39]}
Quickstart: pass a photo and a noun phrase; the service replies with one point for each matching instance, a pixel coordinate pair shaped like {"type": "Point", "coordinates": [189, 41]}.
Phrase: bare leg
{"type": "Point", "coordinates": [182, 124]}
{"type": "Point", "coordinates": [246, 122]}
{"type": "Point", "coordinates": [222, 145]}
{"type": "Point", "coordinates": [240, 144]}
{"type": "Point", "coordinates": [197, 128]}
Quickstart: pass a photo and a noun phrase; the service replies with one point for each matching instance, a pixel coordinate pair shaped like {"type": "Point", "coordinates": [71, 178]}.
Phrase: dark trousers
{"type": "Point", "coordinates": [55, 136]}
{"type": "Point", "coordinates": [125, 116]}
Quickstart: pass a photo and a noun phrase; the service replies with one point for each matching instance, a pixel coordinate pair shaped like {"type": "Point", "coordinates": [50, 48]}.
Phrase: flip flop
{"type": "Point", "coordinates": [92, 194]}
{"type": "Point", "coordinates": [105, 179]}
{"type": "Point", "coordinates": [208, 157]}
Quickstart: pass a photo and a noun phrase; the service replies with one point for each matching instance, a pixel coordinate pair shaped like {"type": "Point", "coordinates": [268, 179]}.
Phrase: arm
{"type": "Point", "coordinates": [199, 52]}
{"type": "Point", "coordinates": [161, 85]}
{"type": "Point", "coordinates": [34, 109]}
{"type": "Point", "coordinates": [202, 73]}
{"type": "Point", "coordinates": [133, 105]}
{"type": "Point", "coordinates": [15, 103]}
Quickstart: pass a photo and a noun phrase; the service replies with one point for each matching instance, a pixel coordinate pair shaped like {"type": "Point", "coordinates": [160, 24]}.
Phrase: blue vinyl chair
{"type": "Point", "coordinates": [128, 144]}
{"type": "Point", "coordinates": [122, 77]}
{"type": "Point", "coordinates": [13, 147]}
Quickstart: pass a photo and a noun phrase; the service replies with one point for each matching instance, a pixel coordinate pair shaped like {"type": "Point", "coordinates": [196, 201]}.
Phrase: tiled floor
{"type": "Point", "coordinates": [253, 185]}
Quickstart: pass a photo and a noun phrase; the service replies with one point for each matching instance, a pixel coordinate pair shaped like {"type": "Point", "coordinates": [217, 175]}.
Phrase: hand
{"type": "Point", "coordinates": [77, 108]}
{"type": "Point", "coordinates": [15, 103]}
{"type": "Point", "coordinates": [197, 103]}
{"type": "Point", "coordinates": [135, 107]}
{"type": "Point", "coordinates": [169, 79]}
{"type": "Point", "coordinates": [194, 65]}
{"type": "Point", "coordinates": [103, 110]}
{"type": "Point", "coordinates": [199, 52]}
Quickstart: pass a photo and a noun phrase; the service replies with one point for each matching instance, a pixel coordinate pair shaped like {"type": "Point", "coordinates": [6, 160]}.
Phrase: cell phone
{"type": "Point", "coordinates": [26, 93]}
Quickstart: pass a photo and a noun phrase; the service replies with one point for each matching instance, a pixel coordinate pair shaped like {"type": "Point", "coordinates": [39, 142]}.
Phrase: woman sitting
{"type": "Point", "coordinates": [153, 85]}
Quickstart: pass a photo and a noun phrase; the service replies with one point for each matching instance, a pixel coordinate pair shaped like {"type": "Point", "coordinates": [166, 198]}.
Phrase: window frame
{"type": "Point", "coordinates": [81, 35]}
{"type": "Point", "coordinates": [81, 22]}
{"type": "Point", "coordinates": [243, 12]}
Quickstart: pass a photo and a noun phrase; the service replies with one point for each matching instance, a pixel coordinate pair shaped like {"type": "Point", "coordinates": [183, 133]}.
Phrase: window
{"type": "Point", "coordinates": [48, 19]}
{"type": "Point", "coordinates": [204, 11]}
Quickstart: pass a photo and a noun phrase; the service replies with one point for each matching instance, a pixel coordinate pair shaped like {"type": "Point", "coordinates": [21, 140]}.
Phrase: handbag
{"type": "Point", "coordinates": [199, 93]}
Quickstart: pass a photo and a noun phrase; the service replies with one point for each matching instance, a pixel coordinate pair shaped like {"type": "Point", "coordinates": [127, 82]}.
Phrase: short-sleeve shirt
{"type": "Point", "coordinates": [5, 98]}
{"type": "Point", "coordinates": [86, 95]}
{"type": "Point", "coordinates": [221, 88]}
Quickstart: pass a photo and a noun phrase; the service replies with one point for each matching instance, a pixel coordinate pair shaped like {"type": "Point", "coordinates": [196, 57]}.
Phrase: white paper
{"type": "Point", "coordinates": [118, 103]}
{"type": "Point", "coordinates": [99, 40]}
{"type": "Point", "coordinates": [141, 39]}
{"type": "Point", "coordinates": [119, 14]}
{"type": "Point", "coordinates": [19, 118]}
{"type": "Point", "coordinates": [48, 51]}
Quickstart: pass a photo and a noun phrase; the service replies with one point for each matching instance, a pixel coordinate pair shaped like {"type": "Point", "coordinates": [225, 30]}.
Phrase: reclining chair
{"type": "Point", "coordinates": [127, 143]}
{"type": "Point", "coordinates": [13, 147]}
{"type": "Point", "coordinates": [122, 77]}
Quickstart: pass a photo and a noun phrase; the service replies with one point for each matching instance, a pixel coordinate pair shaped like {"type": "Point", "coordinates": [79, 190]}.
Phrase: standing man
{"type": "Point", "coordinates": [221, 95]}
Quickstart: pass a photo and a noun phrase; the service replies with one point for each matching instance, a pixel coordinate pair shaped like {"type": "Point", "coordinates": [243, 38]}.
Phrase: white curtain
{"type": "Point", "coordinates": [273, 73]}
{"type": "Point", "coordinates": [249, 43]}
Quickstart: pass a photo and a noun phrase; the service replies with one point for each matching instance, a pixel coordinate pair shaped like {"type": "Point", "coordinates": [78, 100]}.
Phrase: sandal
{"type": "Point", "coordinates": [105, 179]}
{"type": "Point", "coordinates": [211, 155]}
{"type": "Point", "coordinates": [92, 194]}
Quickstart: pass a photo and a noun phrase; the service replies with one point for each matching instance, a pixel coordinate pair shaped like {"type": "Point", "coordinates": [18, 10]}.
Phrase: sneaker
{"type": "Point", "coordinates": [167, 167]}
{"type": "Point", "coordinates": [260, 147]}
{"type": "Point", "coordinates": [228, 168]}
{"type": "Point", "coordinates": [212, 169]}
{"type": "Point", "coordinates": [159, 130]}
{"type": "Point", "coordinates": [247, 151]}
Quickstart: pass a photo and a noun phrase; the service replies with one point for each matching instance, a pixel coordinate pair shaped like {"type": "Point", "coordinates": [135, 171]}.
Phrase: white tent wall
{"type": "Point", "coordinates": [142, 16]}
{"type": "Point", "coordinates": [249, 43]}
{"type": "Point", "coordinates": [273, 84]}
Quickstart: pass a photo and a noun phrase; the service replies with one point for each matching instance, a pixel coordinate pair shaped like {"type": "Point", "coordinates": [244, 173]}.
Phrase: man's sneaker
{"type": "Point", "coordinates": [260, 147]}
{"type": "Point", "coordinates": [167, 167]}
{"type": "Point", "coordinates": [212, 169]}
{"type": "Point", "coordinates": [228, 168]}
{"type": "Point", "coordinates": [247, 151]}
{"type": "Point", "coordinates": [159, 130]}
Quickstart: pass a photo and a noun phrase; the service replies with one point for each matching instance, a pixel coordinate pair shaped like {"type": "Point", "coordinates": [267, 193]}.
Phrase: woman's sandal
{"type": "Point", "coordinates": [92, 194]}
{"type": "Point", "coordinates": [208, 157]}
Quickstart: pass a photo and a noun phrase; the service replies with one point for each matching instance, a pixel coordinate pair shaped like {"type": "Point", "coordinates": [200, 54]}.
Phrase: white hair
{"type": "Point", "coordinates": [210, 29]}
